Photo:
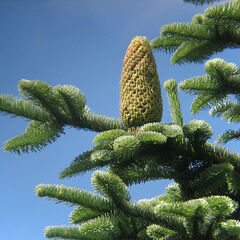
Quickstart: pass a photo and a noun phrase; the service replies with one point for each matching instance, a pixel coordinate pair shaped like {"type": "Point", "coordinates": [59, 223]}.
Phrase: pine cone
{"type": "Point", "coordinates": [141, 100]}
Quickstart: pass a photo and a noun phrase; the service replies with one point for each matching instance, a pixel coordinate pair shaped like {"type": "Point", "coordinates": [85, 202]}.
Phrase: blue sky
{"type": "Point", "coordinates": [82, 43]}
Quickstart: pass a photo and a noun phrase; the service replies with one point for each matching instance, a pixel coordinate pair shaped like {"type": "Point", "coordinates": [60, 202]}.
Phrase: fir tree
{"type": "Point", "coordinates": [203, 203]}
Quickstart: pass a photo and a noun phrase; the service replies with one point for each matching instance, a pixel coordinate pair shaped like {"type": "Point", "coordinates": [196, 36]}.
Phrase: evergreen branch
{"type": "Point", "coordinates": [157, 231]}
{"type": "Point", "coordinates": [101, 228]}
{"type": "Point", "coordinates": [99, 123]}
{"type": "Point", "coordinates": [165, 43]}
{"type": "Point", "coordinates": [223, 79]}
{"type": "Point", "coordinates": [171, 87]}
{"type": "Point", "coordinates": [199, 214]}
{"type": "Point", "coordinates": [110, 186]}
{"type": "Point", "coordinates": [187, 32]}
{"type": "Point", "coordinates": [103, 145]}
{"type": "Point", "coordinates": [36, 136]}
{"type": "Point", "coordinates": [197, 131]}
{"type": "Point", "coordinates": [130, 163]}
{"type": "Point", "coordinates": [130, 227]}
{"type": "Point", "coordinates": [228, 11]}
{"type": "Point", "coordinates": [197, 84]}
{"type": "Point", "coordinates": [222, 206]}
{"type": "Point", "coordinates": [170, 131]}
{"type": "Point", "coordinates": [50, 108]}
{"type": "Point", "coordinates": [221, 70]}
{"type": "Point", "coordinates": [174, 223]}
{"type": "Point", "coordinates": [109, 135]}
{"type": "Point", "coordinates": [229, 229]}
{"type": "Point", "coordinates": [74, 100]}
{"type": "Point", "coordinates": [228, 136]}
{"type": "Point", "coordinates": [196, 213]}
{"type": "Point", "coordinates": [233, 113]}
{"type": "Point", "coordinates": [98, 229]}
{"type": "Point", "coordinates": [104, 156]}
{"type": "Point", "coordinates": [173, 131]}
{"type": "Point", "coordinates": [151, 137]}
{"type": "Point", "coordinates": [136, 174]}
{"type": "Point", "coordinates": [71, 233]}
{"type": "Point", "coordinates": [220, 108]}
{"type": "Point", "coordinates": [233, 182]}
{"type": "Point", "coordinates": [218, 29]}
{"type": "Point", "coordinates": [97, 222]}
{"type": "Point", "coordinates": [126, 148]}
{"type": "Point", "coordinates": [133, 228]}
{"type": "Point", "coordinates": [220, 154]}
{"type": "Point", "coordinates": [173, 194]}
{"type": "Point", "coordinates": [81, 164]}
{"type": "Point", "coordinates": [138, 211]}
{"type": "Point", "coordinates": [23, 108]}
{"type": "Point", "coordinates": [233, 83]}
{"type": "Point", "coordinates": [42, 94]}
{"type": "Point", "coordinates": [126, 142]}
{"type": "Point", "coordinates": [65, 103]}
{"type": "Point", "coordinates": [168, 216]}
{"type": "Point", "coordinates": [189, 51]}
{"type": "Point", "coordinates": [205, 99]}
{"type": "Point", "coordinates": [74, 196]}
{"type": "Point", "coordinates": [212, 180]}
{"type": "Point", "coordinates": [82, 214]}
{"type": "Point", "coordinates": [199, 19]}
{"type": "Point", "coordinates": [184, 209]}
{"type": "Point", "coordinates": [208, 153]}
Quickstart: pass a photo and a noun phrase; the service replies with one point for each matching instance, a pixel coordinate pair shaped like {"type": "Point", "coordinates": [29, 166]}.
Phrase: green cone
{"type": "Point", "coordinates": [141, 100]}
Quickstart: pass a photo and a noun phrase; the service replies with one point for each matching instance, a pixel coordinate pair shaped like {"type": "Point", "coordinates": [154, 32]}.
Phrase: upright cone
{"type": "Point", "coordinates": [141, 100]}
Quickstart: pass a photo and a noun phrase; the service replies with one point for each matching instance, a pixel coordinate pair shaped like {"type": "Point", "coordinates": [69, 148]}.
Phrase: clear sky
{"type": "Point", "coordinates": [82, 43]}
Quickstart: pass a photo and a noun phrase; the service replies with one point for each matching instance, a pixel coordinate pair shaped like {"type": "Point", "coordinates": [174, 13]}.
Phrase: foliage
{"type": "Point", "coordinates": [213, 31]}
{"type": "Point", "coordinates": [203, 202]}
{"type": "Point", "coordinates": [113, 216]}
{"type": "Point", "coordinates": [50, 108]}
{"type": "Point", "coordinates": [214, 91]}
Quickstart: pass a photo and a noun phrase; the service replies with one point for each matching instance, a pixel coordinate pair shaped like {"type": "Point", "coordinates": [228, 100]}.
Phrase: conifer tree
{"type": "Point", "coordinates": [203, 203]}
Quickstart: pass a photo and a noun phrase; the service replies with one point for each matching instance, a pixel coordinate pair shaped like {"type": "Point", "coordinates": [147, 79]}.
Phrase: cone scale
{"type": "Point", "coordinates": [141, 100]}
